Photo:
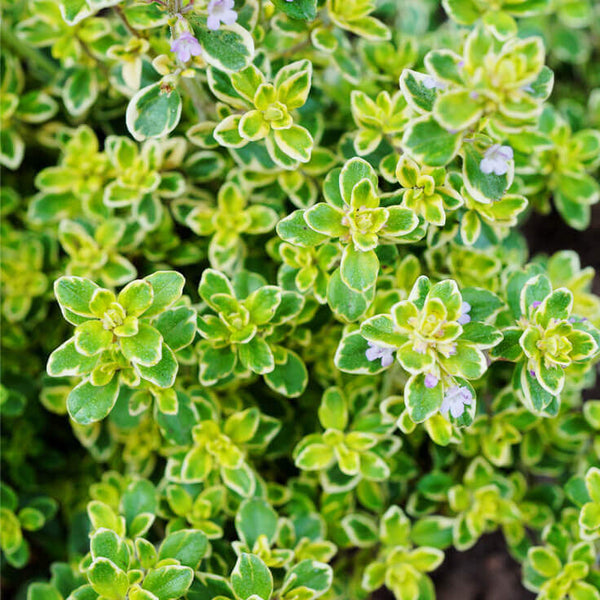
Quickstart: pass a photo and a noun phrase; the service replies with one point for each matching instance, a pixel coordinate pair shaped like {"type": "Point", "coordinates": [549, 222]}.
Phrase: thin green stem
{"type": "Point", "coordinates": [191, 86]}
{"type": "Point", "coordinates": [26, 52]}
{"type": "Point", "coordinates": [124, 20]}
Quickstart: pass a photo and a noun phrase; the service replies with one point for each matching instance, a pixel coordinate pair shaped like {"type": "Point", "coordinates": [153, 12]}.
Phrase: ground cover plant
{"type": "Point", "coordinates": [270, 329]}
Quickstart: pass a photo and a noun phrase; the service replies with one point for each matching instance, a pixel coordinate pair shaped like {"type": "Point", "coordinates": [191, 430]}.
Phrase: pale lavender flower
{"type": "Point", "coordinates": [220, 11]}
{"type": "Point", "coordinates": [532, 373]}
{"type": "Point", "coordinates": [433, 84]}
{"type": "Point", "coordinates": [464, 317]}
{"type": "Point", "coordinates": [185, 46]}
{"type": "Point", "coordinates": [536, 303]}
{"type": "Point", "coordinates": [431, 380]}
{"type": "Point", "coordinates": [495, 160]}
{"type": "Point", "coordinates": [455, 400]}
{"type": "Point", "coordinates": [375, 352]}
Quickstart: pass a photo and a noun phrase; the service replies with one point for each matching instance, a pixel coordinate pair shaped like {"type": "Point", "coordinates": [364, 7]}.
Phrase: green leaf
{"type": "Point", "coordinates": [163, 373]}
{"type": "Point", "coordinates": [308, 574]}
{"type": "Point", "coordinates": [360, 529]}
{"type": "Point", "coordinates": [153, 112]}
{"type": "Point", "coordinates": [536, 397]}
{"type": "Point", "coordinates": [419, 96]}
{"type": "Point", "coordinates": [352, 173]}
{"type": "Point", "coordinates": [445, 65]}
{"type": "Point", "coordinates": [136, 297]}
{"type": "Point", "coordinates": [140, 497]}
{"type": "Point", "coordinates": [221, 85]}
{"type": "Point", "coordinates": [196, 465]}
{"type": "Point", "coordinates": [359, 269]}
{"type": "Point", "coordinates": [544, 561]}
{"type": "Point", "coordinates": [301, 10]}
{"type": "Point", "coordinates": [369, 28]}
{"type": "Point", "coordinates": [576, 215]}
{"type": "Point", "coordinates": [467, 362]}
{"type": "Point", "coordinates": [11, 535]}
{"type": "Point", "coordinates": [216, 364]}
{"type": "Point", "coordinates": [484, 187]}
{"type": "Point", "coordinates": [188, 546]}
{"type": "Point", "coordinates": [166, 287]}
{"type": "Point", "coordinates": [251, 577]}
{"type": "Point", "coordinates": [464, 12]}
{"type": "Point", "coordinates": [536, 289]}
{"type": "Point", "coordinates": [73, 11]}
{"type": "Point", "coordinates": [80, 91]}
{"type": "Point", "coordinates": [66, 361]}
{"type": "Point", "coordinates": [43, 591]}
{"type": "Point", "coordinates": [457, 110]}
{"type": "Point", "coordinates": [333, 411]}
{"type": "Point", "coordinates": [324, 218]}
{"type": "Point", "coordinates": [227, 132]}
{"type": "Point", "coordinates": [345, 302]}
{"type": "Point", "coordinates": [351, 355]}
{"type": "Point", "coordinates": [426, 559]}
{"type": "Point", "coordinates": [105, 543]}
{"type": "Point", "coordinates": [429, 143]}
{"type": "Point", "coordinates": [262, 304]}
{"type": "Point", "coordinates": [214, 283]}
{"type": "Point", "coordinates": [592, 481]}
{"type": "Point", "coordinates": [289, 377]}
{"type": "Point", "coordinates": [315, 457]}
{"type": "Point", "coordinates": [295, 229]}
{"type": "Point", "coordinates": [484, 304]}
{"type": "Point", "coordinates": [12, 148]}
{"type": "Point", "coordinates": [31, 519]}
{"type": "Point", "coordinates": [36, 107]}
{"type": "Point", "coordinates": [245, 82]}
{"type": "Point", "coordinates": [256, 355]}
{"type": "Point", "coordinates": [293, 83]}
{"type": "Point", "coordinates": [107, 579]}
{"type": "Point", "coordinates": [89, 403]}
{"type": "Point", "coordinates": [484, 336]}
{"type": "Point", "coordinates": [242, 426]}
{"type": "Point", "coordinates": [295, 141]}
{"type": "Point", "coordinates": [75, 294]}
{"type": "Point", "coordinates": [433, 531]}
{"type": "Point", "coordinates": [240, 480]}
{"type": "Point", "coordinates": [230, 48]}
{"type": "Point", "coordinates": [177, 327]}
{"type": "Point", "coordinates": [254, 518]}
{"type": "Point", "coordinates": [144, 348]}
{"type": "Point", "coordinates": [253, 127]}
{"type": "Point", "coordinates": [169, 582]}
{"type": "Point", "coordinates": [422, 402]}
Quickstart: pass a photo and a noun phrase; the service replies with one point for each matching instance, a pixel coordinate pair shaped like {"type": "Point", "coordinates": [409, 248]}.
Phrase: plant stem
{"type": "Point", "coordinates": [27, 52]}
{"type": "Point", "coordinates": [125, 22]}
{"type": "Point", "coordinates": [191, 86]}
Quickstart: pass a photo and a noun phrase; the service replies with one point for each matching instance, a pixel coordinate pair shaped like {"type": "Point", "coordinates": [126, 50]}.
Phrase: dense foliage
{"type": "Point", "coordinates": [270, 330]}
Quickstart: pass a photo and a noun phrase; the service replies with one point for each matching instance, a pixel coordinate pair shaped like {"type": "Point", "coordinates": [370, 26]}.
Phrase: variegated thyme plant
{"type": "Point", "coordinates": [270, 325]}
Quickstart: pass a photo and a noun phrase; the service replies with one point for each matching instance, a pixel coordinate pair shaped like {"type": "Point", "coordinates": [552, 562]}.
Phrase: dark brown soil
{"type": "Point", "coordinates": [548, 234]}
{"type": "Point", "coordinates": [485, 572]}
